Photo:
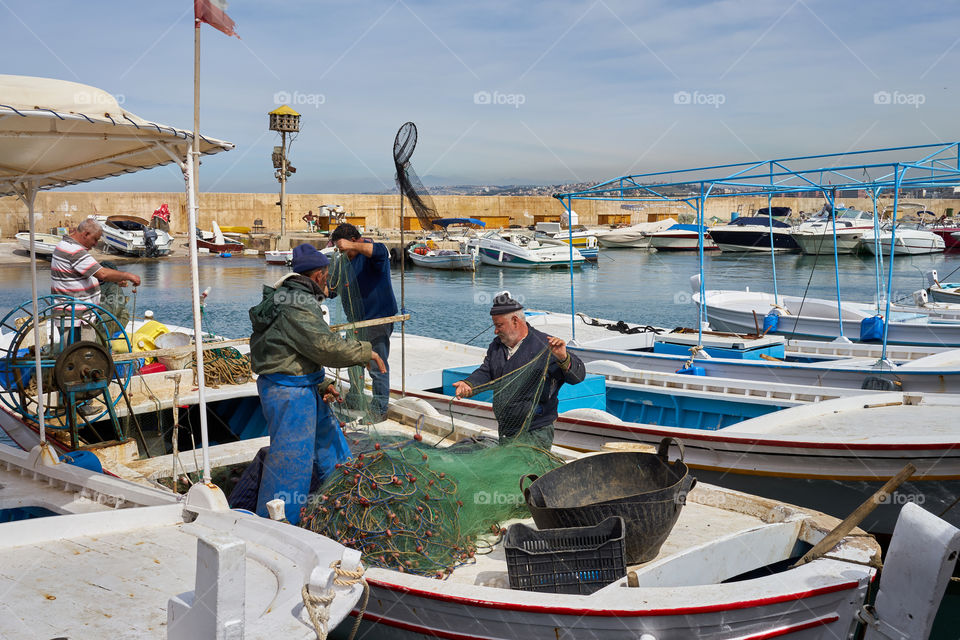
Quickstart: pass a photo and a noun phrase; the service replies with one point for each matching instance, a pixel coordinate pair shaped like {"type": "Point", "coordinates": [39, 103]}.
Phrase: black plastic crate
{"type": "Point", "coordinates": [570, 560]}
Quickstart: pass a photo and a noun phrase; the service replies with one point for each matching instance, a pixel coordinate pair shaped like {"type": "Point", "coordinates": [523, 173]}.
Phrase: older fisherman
{"type": "Point", "coordinates": [518, 344]}
{"type": "Point", "coordinates": [290, 345]}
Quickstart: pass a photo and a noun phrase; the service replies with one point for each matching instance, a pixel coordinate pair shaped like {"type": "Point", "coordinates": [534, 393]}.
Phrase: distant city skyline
{"type": "Point", "coordinates": [507, 93]}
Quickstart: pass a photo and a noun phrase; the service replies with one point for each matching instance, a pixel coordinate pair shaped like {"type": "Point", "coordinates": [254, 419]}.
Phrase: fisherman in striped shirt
{"type": "Point", "coordinates": [74, 272]}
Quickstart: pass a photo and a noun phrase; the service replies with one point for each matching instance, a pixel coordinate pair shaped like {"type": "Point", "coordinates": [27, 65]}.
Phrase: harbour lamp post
{"type": "Point", "coordinates": [285, 120]}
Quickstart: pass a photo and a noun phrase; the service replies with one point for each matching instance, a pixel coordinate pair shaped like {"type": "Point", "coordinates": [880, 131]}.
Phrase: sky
{"type": "Point", "coordinates": [506, 92]}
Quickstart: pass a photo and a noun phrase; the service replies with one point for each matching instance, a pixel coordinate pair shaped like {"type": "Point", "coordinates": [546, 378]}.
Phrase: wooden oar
{"type": "Point", "coordinates": [851, 521]}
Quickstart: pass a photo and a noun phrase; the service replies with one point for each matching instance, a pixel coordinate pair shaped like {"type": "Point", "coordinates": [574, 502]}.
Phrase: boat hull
{"type": "Point", "coordinates": [681, 242]}
{"type": "Point", "coordinates": [457, 262]}
{"type": "Point", "coordinates": [822, 243]}
{"type": "Point", "coordinates": [500, 258]}
{"type": "Point", "coordinates": [746, 240]}
{"type": "Point", "coordinates": [907, 244]}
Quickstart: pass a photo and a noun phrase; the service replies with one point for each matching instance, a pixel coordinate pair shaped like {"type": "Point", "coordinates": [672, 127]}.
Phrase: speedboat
{"type": "Point", "coordinates": [43, 244]}
{"type": "Point", "coordinates": [585, 241]}
{"type": "Point", "coordinates": [278, 257]}
{"type": "Point", "coordinates": [681, 237]}
{"type": "Point", "coordinates": [133, 236]}
{"type": "Point", "coordinates": [815, 236]}
{"type": "Point", "coordinates": [908, 240]}
{"type": "Point", "coordinates": [636, 236]}
{"type": "Point", "coordinates": [521, 250]}
{"type": "Point", "coordinates": [753, 233]}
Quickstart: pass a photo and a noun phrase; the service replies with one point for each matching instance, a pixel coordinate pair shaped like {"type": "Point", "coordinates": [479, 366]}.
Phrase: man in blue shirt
{"type": "Point", "coordinates": [370, 262]}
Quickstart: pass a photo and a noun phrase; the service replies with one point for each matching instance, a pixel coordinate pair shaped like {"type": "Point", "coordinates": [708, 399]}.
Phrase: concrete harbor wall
{"type": "Point", "coordinates": [65, 209]}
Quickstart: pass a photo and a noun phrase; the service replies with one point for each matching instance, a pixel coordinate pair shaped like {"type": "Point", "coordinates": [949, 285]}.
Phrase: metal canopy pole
{"type": "Point", "coordinates": [573, 309]}
{"type": "Point", "coordinates": [27, 192]}
{"type": "Point", "coordinates": [832, 199]}
{"type": "Point", "coordinates": [893, 245]}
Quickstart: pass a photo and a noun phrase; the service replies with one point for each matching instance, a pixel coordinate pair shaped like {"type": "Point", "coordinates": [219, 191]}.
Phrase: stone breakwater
{"type": "Point", "coordinates": [65, 209]}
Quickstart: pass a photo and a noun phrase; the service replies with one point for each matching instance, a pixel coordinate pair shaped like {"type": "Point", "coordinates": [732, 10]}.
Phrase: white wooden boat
{"type": "Point", "coordinates": [521, 250]}
{"type": "Point", "coordinates": [44, 243]}
{"type": "Point", "coordinates": [635, 236]}
{"type": "Point", "coordinates": [445, 259]}
{"type": "Point", "coordinates": [815, 236]}
{"type": "Point", "coordinates": [102, 557]}
{"type": "Point", "coordinates": [828, 455]}
{"type": "Point", "coordinates": [133, 236]}
{"type": "Point", "coordinates": [948, 292]}
{"type": "Point", "coordinates": [738, 311]}
{"type": "Point", "coordinates": [907, 240]}
{"type": "Point", "coordinates": [682, 237]}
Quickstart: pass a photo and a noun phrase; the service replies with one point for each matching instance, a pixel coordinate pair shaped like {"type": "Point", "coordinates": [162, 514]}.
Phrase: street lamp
{"type": "Point", "coordinates": [285, 120]}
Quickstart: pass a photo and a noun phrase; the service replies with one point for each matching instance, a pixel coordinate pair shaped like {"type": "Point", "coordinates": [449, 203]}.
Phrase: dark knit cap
{"type": "Point", "coordinates": [307, 259]}
{"type": "Point", "coordinates": [503, 303]}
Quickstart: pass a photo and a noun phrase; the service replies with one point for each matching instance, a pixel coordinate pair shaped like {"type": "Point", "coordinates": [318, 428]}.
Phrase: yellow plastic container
{"type": "Point", "coordinates": [143, 339]}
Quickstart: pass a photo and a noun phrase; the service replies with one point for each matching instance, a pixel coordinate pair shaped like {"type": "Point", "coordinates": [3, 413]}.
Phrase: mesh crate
{"type": "Point", "coordinates": [577, 560]}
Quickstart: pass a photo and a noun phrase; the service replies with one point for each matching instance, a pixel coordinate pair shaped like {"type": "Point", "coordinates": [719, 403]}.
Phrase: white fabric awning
{"type": "Point", "coordinates": [55, 133]}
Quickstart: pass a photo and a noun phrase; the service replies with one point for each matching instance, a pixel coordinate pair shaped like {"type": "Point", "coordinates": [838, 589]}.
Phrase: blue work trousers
{"type": "Point", "coordinates": [305, 440]}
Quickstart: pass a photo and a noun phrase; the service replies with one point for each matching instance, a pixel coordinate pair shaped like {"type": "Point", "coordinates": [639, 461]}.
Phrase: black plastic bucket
{"type": "Point", "coordinates": [645, 489]}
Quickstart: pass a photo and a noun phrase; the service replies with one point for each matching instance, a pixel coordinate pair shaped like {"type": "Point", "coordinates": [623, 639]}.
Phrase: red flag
{"type": "Point", "coordinates": [214, 13]}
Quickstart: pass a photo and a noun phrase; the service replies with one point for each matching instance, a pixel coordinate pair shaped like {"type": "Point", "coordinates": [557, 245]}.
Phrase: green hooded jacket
{"type": "Point", "coordinates": [291, 337]}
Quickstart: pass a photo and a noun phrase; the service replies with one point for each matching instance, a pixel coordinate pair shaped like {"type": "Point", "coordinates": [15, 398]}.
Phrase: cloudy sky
{"type": "Point", "coordinates": [507, 92]}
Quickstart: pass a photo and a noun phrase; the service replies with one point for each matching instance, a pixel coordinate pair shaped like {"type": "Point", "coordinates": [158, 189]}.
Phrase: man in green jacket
{"type": "Point", "coordinates": [290, 345]}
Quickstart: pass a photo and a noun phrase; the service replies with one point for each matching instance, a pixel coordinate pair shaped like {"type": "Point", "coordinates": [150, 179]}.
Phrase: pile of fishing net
{"type": "Point", "coordinates": [415, 508]}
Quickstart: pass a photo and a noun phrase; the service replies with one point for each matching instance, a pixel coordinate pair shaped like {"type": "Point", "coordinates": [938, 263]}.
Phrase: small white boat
{"type": "Point", "coordinates": [908, 240]}
{"type": "Point", "coordinates": [583, 239]}
{"type": "Point", "coordinates": [278, 257]}
{"type": "Point", "coordinates": [44, 243]}
{"type": "Point", "coordinates": [133, 236]}
{"type": "Point", "coordinates": [521, 250]}
{"type": "Point", "coordinates": [948, 292]}
{"type": "Point", "coordinates": [423, 255]}
{"type": "Point", "coordinates": [635, 236]}
{"type": "Point", "coordinates": [682, 237]}
{"type": "Point", "coordinates": [815, 236]}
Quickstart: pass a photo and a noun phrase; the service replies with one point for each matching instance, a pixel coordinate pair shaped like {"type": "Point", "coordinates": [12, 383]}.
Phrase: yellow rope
{"type": "Point", "coordinates": [318, 607]}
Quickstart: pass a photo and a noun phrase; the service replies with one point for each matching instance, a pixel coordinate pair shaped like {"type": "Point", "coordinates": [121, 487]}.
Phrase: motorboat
{"type": "Point", "coordinates": [635, 236]}
{"type": "Point", "coordinates": [429, 255]}
{"type": "Point", "coordinates": [950, 234]}
{"type": "Point", "coordinates": [44, 243]}
{"type": "Point", "coordinates": [583, 239]}
{"type": "Point", "coordinates": [134, 236]}
{"type": "Point", "coordinates": [682, 237]}
{"type": "Point", "coordinates": [753, 233]}
{"type": "Point", "coordinates": [517, 249]}
{"type": "Point", "coordinates": [815, 236]}
{"type": "Point", "coordinates": [908, 239]}
{"type": "Point", "coordinates": [216, 242]}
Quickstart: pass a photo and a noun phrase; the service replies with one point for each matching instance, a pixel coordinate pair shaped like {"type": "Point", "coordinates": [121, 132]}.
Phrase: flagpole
{"type": "Point", "coordinates": [193, 163]}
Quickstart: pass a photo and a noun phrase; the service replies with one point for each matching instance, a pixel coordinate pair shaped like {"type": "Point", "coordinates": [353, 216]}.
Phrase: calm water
{"type": "Point", "coordinates": [638, 286]}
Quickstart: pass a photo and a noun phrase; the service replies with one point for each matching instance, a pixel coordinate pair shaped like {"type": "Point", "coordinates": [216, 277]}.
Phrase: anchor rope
{"type": "Point", "coordinates": [318, 606]}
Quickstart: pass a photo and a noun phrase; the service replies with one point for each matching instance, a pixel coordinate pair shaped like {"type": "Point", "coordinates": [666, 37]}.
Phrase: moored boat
{"type": "Point", "coordinates": [423, 255]}
{"type": "Point", "coordinates": [134, 236]}
{"type": "Point", "coordinates": [907, 240]}
{"type": "Point", "coordinates": [521, 250]}
{"type": "Point", "coordinates": [753, 234]}
{"type": "Point", "coordinates": [635, 236]}
{"type": "Point", "coordinates": [682, 237]}
{"type": "Point", "coordinates": [44, 243]}
{"type": "Point", "coordinates": [218, 243]}
{"type": "Point", "coordinates": [815, 236]}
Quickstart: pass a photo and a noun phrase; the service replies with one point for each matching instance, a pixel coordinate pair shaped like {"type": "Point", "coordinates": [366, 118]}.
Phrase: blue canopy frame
{"type": "Point", "coordinates": [871, 170]}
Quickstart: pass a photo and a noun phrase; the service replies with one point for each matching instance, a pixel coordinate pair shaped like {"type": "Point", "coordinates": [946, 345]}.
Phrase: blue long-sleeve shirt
{"type": "Point", "coordinates": [514, 404]}
{"type": "Point", "coordinates": [373, 280]}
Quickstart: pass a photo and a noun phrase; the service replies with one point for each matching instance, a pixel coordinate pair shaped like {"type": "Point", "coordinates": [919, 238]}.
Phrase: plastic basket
{"type": "Point", "coordinates": [577, 560]}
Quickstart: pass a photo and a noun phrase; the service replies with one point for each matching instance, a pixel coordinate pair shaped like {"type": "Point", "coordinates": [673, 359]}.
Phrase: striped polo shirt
{"type": "Point", "coordinates": [72, 272]}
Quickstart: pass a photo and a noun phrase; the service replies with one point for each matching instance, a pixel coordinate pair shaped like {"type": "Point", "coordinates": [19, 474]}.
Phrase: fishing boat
{"type": "Point", "coordinates": [423, 255]}
{"type": "Point", "coordinates": [908, 239]}
{"type": "Point", "coordinates": [950, 234]}
{"type": "Point", "coordinates": [521, 250]}
{"type": "Point", "coordinates": [753, 233]}
{"type": "Point", "coordinates": [682, 237]}
{"type": "Point", "coordinates": [948, 292]}
{"type": "Point", "coordinates": [133, 236]}
{"type": "Point", "coordinates": [218, 243]}
{"type": "Point", "coordinates": [806, 317]}
{"type": "Point", "coordinates": [815, 236]}
{"type": "Point", "coordinates": [43, 244]}
{"type": "Point", "coordinates": [635, 236]}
